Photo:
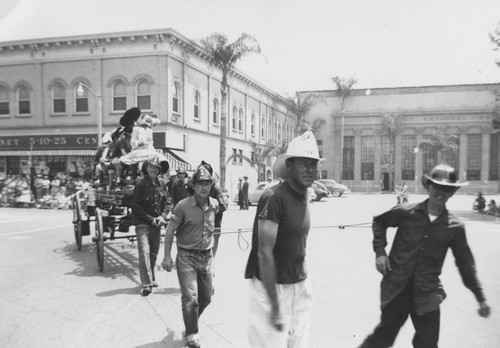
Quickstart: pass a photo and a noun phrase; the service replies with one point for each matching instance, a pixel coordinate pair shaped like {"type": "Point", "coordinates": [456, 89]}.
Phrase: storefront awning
{"type": "Point", "coordinates": [175, 160]}
{"type": "Point", "coordinates": [48, 153]}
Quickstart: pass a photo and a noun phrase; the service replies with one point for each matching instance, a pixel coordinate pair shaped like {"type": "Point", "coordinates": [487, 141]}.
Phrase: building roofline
{"type": "Point", "coordinates": [411, 89]}
{"type": "Point", "coordinates": [159, 34]}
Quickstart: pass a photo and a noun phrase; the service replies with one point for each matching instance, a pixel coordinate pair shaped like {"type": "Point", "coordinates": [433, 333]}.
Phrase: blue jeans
{"type": "Point", "coordinates": [148, 243]}
{"type": "Point", "coordinates": [194, 270]}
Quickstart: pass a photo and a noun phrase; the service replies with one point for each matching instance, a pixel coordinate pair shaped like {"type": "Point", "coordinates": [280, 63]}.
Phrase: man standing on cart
{"type": "Point", "coordinates": [150, 209]}
{"type": "Point", "coordinates": [193, 220]}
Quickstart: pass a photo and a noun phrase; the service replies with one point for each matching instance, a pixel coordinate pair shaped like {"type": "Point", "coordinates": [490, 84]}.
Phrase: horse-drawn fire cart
{"type": "Point", "coordinates": [109, 212]}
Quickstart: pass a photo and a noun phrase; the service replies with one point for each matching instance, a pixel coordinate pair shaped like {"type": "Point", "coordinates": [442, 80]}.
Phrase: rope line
{"type": "Point", "coordinates": [243, 244]}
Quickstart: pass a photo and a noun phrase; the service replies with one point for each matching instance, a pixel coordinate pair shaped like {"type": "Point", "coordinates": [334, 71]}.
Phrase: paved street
{"type": "Point", "coordinates": [53, 295]}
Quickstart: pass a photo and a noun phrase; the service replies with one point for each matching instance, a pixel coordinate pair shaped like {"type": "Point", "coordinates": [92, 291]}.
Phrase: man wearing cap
{"type": "Point", "coordinates": [281, 301]}
{"type": "Point", "coordinates": [193, 220]}
{"type": "Point", "coordinates": [410, 284]}
{"type": "Point", "coordinates": [180, 187]}
{"type": "Point", "coordinates": [150, 210]}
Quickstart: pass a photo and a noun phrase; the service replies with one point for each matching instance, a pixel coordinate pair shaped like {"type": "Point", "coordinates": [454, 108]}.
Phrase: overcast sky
{"type": "Point", "coordinates": [381, 43]}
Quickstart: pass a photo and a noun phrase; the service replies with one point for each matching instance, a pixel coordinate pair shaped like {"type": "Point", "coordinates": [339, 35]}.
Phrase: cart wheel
{"type": "Point", "coordinates": [99, 239]}
{"type": "Point", "coordinates": [77, 221]}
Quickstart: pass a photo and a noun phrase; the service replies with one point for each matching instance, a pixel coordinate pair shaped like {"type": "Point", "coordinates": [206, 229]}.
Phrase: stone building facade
{"type": "Point", "coordinates": [377, 156]}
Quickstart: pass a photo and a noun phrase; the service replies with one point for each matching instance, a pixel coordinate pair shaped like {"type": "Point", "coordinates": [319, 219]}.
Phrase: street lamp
{"type": "Point", "coordinates": [80, 92]}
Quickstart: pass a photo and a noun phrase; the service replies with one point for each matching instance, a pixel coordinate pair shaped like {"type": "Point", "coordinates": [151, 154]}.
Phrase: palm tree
{"type": "Point", "coordinates": [441, 143]}
{"type": "Point", "coordinates": [224, 55]}
{"type": "Point", "coordinates": [344, 90]}
{"type": "Point", "coordinates": [391, 125]}
{"type": "Point", "coordinates": [301, 109]}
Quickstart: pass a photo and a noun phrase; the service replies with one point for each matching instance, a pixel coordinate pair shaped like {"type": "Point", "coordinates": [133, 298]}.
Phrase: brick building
{"type": "Point", "coordinates": [46, 122]}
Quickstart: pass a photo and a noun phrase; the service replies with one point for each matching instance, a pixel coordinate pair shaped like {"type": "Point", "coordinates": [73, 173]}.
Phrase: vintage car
{"type": "Point", "coordinates": [335, 188]}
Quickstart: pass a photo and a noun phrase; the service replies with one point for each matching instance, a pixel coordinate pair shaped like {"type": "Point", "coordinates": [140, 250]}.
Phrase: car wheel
{"type": "Point", "coordinates": [337, 194]}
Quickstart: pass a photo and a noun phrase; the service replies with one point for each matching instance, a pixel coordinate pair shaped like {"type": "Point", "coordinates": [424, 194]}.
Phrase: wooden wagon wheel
{"type": "Point", "coordinates": [99, 238]}
{"type": "Point", "coordinates": [77, 220]}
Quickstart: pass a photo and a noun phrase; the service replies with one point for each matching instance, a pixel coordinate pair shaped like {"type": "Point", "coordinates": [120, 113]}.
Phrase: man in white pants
{"type": "Point", "coordinates": [280, 306]}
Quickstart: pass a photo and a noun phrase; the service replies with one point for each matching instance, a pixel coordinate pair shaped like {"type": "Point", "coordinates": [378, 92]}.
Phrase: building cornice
{"type": "Point", "coordinates": [167, 35]}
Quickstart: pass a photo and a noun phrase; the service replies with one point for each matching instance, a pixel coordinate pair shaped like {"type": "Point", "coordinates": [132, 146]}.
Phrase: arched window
{"type": "Point", "coordinates": [270, 130]}
{"type": "Point", "coordinates": [24, 100]}
{"type": "Point", "coordinates": [4, 101]}
{"type": "Point", "coordinates": [240, 121]}
{"type": "Point", "coordinates": [143, 92]}
{"type": "Point", "coordinates": [252, 124]}
{"type": "Point", "coordinates": [119, 92]}
{"type": "Point", "coordinates": [279, 131]}
{"type": "Point", "coordinates": [233, 120]}
{"type": "Point", "coordinates": [81, 99]}
{"type": "Point", "coordinates": [58, 99]}
{"type": "Point", "coordinates": [176, 93]}
{"type": "Point", "coordinates": [215, 112]}
{"type": "Point", "coordinates": [196, 105]}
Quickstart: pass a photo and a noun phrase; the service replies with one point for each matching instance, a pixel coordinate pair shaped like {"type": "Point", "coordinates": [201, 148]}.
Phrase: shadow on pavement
{"type": "Point", "coordinates": [119, 260]}
{"type": "Point", "coordinates": [169, 341]}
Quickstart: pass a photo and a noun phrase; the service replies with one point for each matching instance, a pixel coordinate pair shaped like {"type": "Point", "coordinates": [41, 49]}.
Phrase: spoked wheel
{"type": "Point", "coordinates": [77, 221]}
{"type": "Point", "coordinates": [99, 239]}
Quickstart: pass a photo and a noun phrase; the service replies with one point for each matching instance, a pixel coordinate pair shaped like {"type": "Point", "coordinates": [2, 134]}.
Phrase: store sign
{"type": "Point", "coordinates": [49, 142]}
{"type": "Point", "coordinates": [76, 142]}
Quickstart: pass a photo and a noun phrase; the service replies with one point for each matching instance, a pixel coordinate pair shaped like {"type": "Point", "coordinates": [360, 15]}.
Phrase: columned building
{"type": "Point", "coordinates": [49, 122]}
{"type": "Point", "coordinates": [384, 131]}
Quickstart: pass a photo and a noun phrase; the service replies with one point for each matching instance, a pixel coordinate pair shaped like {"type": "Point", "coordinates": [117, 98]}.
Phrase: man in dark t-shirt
{"type": "Point", "coordinates": [281, 301]}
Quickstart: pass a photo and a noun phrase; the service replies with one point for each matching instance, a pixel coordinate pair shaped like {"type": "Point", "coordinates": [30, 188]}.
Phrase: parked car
{"type": "Point", "coordinates": [335, 188]}
{"type": "Point", "coordinates": [254, 193]}
{"type": "Point", "coordinates": [320, 191]}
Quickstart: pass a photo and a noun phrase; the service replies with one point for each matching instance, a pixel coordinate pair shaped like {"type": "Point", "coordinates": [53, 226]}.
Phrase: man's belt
{"type": "Point", "coordinates": [195, 251]}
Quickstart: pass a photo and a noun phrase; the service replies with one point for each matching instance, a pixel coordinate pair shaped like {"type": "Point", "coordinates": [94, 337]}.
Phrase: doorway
{"type": "Point", "coordinates": [386, 182]}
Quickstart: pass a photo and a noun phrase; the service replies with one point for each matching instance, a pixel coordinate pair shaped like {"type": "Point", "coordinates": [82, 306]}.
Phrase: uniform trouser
{"type": "Point", "coordinates": [295, 303]}
{"type": "Point", "coordinates": [395, 314]}
{"type": "Point", "coordinates": [194, 270]}
{"type": "Point", "coordinates": [148, 243]}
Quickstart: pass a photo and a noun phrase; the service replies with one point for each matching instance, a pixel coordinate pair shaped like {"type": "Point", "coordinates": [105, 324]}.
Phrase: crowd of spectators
{"type": "Point", "coordinates": [41, 192]}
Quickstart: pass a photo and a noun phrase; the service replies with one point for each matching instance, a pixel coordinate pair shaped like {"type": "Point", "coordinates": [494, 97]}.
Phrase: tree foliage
{"type": "Point", "coordinates": [441, 142]}
{"type": "Point", "coordinates": [343, 89]}
{"type": "Point", "coordinates": [495, 37]}
{"type": "Point", "coordinates": [301, 109]}
{"type": "Point", "coordinates": [260, 155]}
{"type": "Point", "coordinates": [391, 124]}
{"type": "Point", "coordinates": [224, 55]}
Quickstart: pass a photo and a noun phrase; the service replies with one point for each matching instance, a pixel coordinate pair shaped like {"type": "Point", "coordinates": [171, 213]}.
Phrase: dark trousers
{"type": "Point", "coordinates": [393, 317]}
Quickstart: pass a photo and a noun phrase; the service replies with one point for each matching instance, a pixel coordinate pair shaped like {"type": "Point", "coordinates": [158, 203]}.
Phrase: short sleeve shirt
{"type": "Point", "coordinates": [196, 226]}
{"type": "Point", "coordinates": [290, 210]}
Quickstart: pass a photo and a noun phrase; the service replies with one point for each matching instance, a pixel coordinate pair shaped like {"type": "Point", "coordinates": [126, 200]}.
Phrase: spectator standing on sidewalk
{"type": "Point", "coordinates": [244, 188]}
{"type": "Point", "coordinates": [240, 193]}
{"type": "Point", "coordinates": [193, 219]}
{"type": "Point", "coordinates": [150, 210]}
{"type": "Point", "coordinates": [410, 284]}
{"type": "Point", "coordinates": [281, 300]}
